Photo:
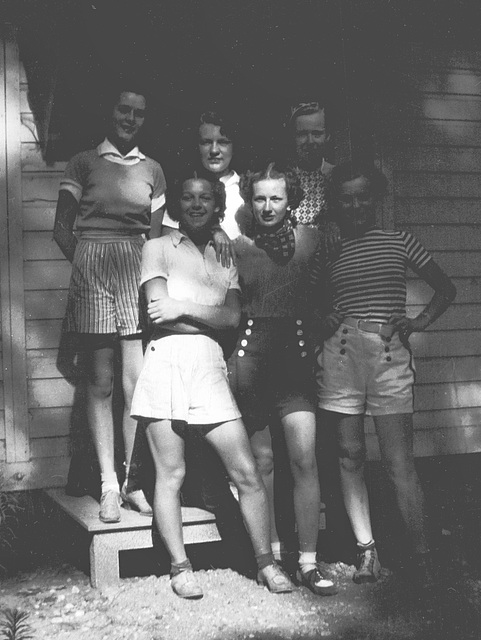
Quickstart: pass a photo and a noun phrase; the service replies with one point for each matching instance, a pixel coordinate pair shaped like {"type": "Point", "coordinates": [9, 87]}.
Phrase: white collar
{"type": "Point", "coordinates": [230, 179]}
{"type": "Point", "coordinates": [107, 148]}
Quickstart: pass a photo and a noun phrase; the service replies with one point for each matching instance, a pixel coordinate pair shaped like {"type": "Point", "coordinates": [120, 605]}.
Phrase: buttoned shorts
{"type": "Point", "coordinates": [365, 372]}
{"type": "Point", "coordinates": [184, 378]}
{"type": "Point", "coordinates": [271, 371]}
{"type": "Point", "coordinates": [104, 286]}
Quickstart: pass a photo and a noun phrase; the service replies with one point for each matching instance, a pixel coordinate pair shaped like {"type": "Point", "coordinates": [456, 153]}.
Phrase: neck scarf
{"type": "Point", "coordinates": [279, 244]}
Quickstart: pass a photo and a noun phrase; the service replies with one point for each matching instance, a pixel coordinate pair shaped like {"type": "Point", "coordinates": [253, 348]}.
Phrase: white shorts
{"type": "Point", "coordinates": [363, 372]}
{"type": "Point", "coordinates": [184, 377]}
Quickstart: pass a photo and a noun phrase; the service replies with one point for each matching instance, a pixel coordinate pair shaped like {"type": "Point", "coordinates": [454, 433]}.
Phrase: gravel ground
{"type": "Point", "coordinates": [62, 605]}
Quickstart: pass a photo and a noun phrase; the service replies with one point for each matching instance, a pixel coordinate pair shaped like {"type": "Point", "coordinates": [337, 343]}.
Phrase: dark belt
{"type": "Point", "coordinates": [371, 327]}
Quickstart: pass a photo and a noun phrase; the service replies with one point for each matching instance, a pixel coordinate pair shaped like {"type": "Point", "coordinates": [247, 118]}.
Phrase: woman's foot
{"type": "Point", "coordinates": [369, 567]}
{"type": "Point", "coordinates": [314, 580]}
{"type": "Point", "coordinates": [184, 582]}
{"type": "Point", "coordinates": [275, 579]}
{"type": "Point", "coordinates": [110, 506]}
{"type": "Point", "coordinates": [136, 500]}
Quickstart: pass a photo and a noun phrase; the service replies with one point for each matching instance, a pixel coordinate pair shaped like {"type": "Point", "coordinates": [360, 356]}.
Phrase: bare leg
{"type": "Point", "coordinates": [395, 433]}
{"type": "Point", "coordinates": [261, 445]}
{"type": "Point", "coordinates": [132, 360]}
{"type": "Point", "coordinates": [300, 433]}
{"type": "Point", "coordinates": [352, 455]}
{"type": "Point", "coordinates": [168, 453]}
{"type": "Point", "coordinates": [99, 407]}
{"type": "Point", "coordinates": [232, 444]}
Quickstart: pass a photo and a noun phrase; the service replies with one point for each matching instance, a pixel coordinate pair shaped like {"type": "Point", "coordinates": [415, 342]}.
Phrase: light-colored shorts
{"type": "Point", "coordinates": [104, 287]}
{"type": "Point", "coordinates": [364, 372]}
{"type": "Point", "coordinates": [184, 377]}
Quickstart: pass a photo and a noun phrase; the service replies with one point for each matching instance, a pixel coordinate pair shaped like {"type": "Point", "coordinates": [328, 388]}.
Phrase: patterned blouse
{"type": "Point", "coordinates": [313, 208]}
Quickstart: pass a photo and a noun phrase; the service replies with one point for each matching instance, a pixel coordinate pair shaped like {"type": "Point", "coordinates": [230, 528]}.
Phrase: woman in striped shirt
{"type": "Point", "coordinates": [365, 366]}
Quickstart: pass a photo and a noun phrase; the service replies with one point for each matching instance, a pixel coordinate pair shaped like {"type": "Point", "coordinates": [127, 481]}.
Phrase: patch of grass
{"type": "Point", "coordinates": [14, 625]}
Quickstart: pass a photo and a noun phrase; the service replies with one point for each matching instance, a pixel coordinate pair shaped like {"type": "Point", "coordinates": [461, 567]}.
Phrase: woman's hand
{"type": "Point", "coordinates": [330, 324]}
{"type": "Point", "coordinates": [326, 326]}
{"type": "Point", "coordinates": [224, 248]}
{"type": "Point", "coordinates": [405, 326]}
{"type": "Point", "coordinates": [165, 310]}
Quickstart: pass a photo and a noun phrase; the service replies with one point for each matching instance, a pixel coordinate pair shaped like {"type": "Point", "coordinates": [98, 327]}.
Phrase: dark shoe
{"type": "Point", "coordinates": [137, 501]}
{"type": "Point", "coordinates": [317, 582]}
{"type": "Point", "coordinates": [110, 506]}
{"type": "Point", "coordinates": [184, 584]}
{"type": "Point", "coordinates": [369, 566]}
{"type": "Point", "coordinates": [275, 579]}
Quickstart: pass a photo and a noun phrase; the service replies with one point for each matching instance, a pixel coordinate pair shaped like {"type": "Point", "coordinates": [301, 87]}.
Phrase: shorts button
{"type": "Point", "coordinates": [342, 352]}
{"type": "Point", "coordinates": [244, 343]}
{"type": "Point", "coordinates": [386, 349]}
{"type": "Point", "coordinates": [240, 353]}
{"type": "Point", "coordinates": [300, 332]}
{"type": "Point", "coordinates": [299, 322]}
{"type": "Point", "coordinates": [343, 341]}
{"type": "Point", "coordinates": [389, 358]}
{"type": "Point", "coordinates": [388, 338]}
{"type": "Point", "coordinates": [301, 343]}
{"type": "Point", "coordinates": [303, 354]}
{"type": "Point", "coordinates": [250, 323]}
{"type": "Point", "coordinates": [344, 331]}
{"type": "Point", "coordinates": [248, 332]}
{"type": "Point", "coordinates": [152, 348]}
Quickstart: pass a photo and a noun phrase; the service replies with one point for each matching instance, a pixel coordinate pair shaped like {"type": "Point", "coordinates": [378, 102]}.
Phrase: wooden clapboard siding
{"type": "Point", "coordinates": [447, 211]}
{"type": "Point", "coordinates": [38, 216]}
{"type": "Point", "coordinates": [49, 422]}
{"type": "Point", "coordinates": [39, 245]}
{"type": "Point", "coordinates": [46, 275]}
{"type": "Point", "coordinates": [433, 158]}
{"type": "Point", "coordinates": [454, 369]}
{"type": "Point", "coordinates": [45, 280]}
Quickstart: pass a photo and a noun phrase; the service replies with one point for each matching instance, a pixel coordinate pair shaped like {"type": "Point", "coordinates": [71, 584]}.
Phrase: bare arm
{"type": "Point", "coordinates": [444, 294]}
{"type": "Point", "coordinates": [164, 310]}
{"type": "Point", "coordinates": [65, 216]}
{"type": "Point", "coordinates": [156, 220]}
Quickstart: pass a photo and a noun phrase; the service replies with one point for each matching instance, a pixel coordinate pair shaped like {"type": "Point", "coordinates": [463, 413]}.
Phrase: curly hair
{"type": "Point", "coordinates": [174, 194]}
{"type": "Point", "coordinates": [357, 168]}
{"type": "Point", "coordinates": [273, 171]}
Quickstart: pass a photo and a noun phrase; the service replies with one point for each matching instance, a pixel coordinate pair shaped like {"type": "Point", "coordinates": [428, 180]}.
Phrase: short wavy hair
{"type": "Point", "coordinates": [273, 171]}
{"type": "Point", "coordinates": [358, 168]}
{"type": "Point", "coordinates": [226, 124]}
{"type": "Point", "coordinates": [174, 193]}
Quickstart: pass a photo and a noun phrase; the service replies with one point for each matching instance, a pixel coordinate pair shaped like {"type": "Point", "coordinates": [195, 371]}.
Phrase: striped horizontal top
{"type": "Point", "coordinates": [368, 278]}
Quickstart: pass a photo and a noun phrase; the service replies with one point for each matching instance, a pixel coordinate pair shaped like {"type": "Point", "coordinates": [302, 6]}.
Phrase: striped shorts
{"type": "Point", "coordinates": [104, 287]}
